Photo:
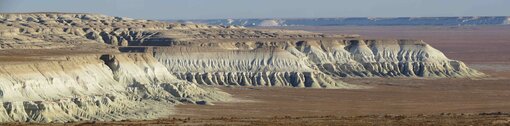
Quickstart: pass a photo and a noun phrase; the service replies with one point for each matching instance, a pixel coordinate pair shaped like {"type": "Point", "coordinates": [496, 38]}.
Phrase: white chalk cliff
{"type": "Point", "coordinates": [58, 67]}
{"type": "Point", "coordinates": [81, 87]}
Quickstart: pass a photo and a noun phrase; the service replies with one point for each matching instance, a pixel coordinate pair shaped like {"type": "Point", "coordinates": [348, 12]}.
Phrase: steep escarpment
{"type": "Point", "coordinates": [147, 78]}
{"type": "Point", "coordinates": [382, 58]}
{"type": "Point", "coordinates": [256, 67]}
{"type": "Point", "coordinates": [290, 63]}
{"type": "Point", "coordinates": [74, 88]}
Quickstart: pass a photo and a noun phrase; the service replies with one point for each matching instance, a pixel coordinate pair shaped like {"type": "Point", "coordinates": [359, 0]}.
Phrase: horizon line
{"type": "Point", "coordinates": [247, 18]}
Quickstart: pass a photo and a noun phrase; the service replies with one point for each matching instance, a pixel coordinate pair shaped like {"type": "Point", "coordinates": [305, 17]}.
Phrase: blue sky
{"type": "Point", "coordinates": [213, 9]}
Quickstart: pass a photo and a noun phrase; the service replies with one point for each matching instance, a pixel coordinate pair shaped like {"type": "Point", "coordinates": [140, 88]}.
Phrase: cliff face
{"type": "Point", "coordinates": [68, 67]}
{"type": "Point", "coordinates": [251, 67]}
{"type": "Point", "coordinates": [147, 78]}
{"type": "Point", "coordinates": [308, 63]}
{"type": "Point", "coordinates": [383, 58]}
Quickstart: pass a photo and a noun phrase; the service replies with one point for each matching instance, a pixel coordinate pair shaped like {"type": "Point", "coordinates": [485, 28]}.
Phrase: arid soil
{"type": "Point", "coordinates": [445, 119]}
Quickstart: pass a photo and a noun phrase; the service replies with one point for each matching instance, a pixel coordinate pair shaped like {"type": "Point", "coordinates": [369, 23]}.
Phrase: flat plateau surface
{"type": "Point", "coordinates": [404, 101]}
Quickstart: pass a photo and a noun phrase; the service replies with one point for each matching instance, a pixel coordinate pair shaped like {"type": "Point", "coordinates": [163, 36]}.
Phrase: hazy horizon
{"type": "Point", "coordinates": [244, 9]}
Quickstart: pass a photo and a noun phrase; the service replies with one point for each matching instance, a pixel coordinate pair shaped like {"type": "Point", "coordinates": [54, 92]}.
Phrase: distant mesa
{"type": "Point", "coordinates": [361, 21]}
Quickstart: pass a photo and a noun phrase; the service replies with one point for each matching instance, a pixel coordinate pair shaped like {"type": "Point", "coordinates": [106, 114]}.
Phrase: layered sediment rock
{"type": "Point", "coordinates": [147, 78]}
{"type": "Point", "coordinates": [382, 58]}
{"type": "Point", "coordinates": [257, 67]}
{"type": "Point", "coordinates": [227, 63]}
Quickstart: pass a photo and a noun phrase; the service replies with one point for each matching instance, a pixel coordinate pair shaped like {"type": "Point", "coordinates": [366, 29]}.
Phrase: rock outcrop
{"type": "Point", "coordinates": [57, 67]}
{"type": "Point", "coordinates": [252, 67]}
{"type": "Point", "coordinates": [308, 63]}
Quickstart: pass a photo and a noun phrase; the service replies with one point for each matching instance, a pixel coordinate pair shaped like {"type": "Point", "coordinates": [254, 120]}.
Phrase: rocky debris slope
{"type": "Point", "coordinates": [61, 30]}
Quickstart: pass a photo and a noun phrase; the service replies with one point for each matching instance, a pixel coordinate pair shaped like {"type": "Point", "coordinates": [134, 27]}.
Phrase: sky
{"type": "Point", "coordinates": [219, 9]}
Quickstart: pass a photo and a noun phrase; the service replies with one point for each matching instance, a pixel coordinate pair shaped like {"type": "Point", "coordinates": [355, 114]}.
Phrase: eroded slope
{"type": "Point", "coordinates": [84, 87]}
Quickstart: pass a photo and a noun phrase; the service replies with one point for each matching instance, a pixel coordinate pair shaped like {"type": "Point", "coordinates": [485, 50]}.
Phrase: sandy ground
{"type": "Point", "coordinates": [388, 96]}
{"type": "Point", "coordinates": [404, 101]}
